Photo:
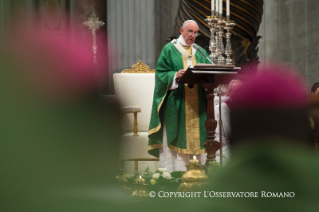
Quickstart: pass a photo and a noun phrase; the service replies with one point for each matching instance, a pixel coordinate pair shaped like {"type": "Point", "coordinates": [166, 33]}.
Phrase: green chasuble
{"type": "Point", "coordinates": [169, 105]}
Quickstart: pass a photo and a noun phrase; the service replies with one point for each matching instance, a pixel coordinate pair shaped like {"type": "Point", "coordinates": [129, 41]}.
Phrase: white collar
{"type": "Point", "coordinates": [181, 41]}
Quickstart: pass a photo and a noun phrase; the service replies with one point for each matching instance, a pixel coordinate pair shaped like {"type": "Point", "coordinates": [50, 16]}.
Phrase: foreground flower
{"type": "Point", "coordinates": [156, 176]}
{"type": "Point", "coordinates": [166, 175]}
{"type": "Point", "coordinates": [162, 170]}
{"type": "Point", "coordinates": [153, 182]}
{"type": "Point", "coordinates": [64, 73]}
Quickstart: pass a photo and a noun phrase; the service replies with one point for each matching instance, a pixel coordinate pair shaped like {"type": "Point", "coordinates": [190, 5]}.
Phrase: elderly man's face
{"type": "Point", "coordinates": [316, 92]}
{"type": "Point", "coordinates": [234, 87]}
{"type": "Point", "coordinates": [189, 32]}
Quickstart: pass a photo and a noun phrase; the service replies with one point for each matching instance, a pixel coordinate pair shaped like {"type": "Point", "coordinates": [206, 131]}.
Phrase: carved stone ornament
{"type": "Point", "coordinates": [139, 67]}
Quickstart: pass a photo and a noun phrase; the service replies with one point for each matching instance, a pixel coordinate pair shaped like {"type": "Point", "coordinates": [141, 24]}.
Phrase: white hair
{"type": "Point", "coordinates": [230, 85]}
{"type": "Point", "coordinates": [188, 21]}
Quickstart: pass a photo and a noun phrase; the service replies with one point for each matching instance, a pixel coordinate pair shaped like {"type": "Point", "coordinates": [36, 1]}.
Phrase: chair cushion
{"type": "Point", "coordinates": [135, 90]}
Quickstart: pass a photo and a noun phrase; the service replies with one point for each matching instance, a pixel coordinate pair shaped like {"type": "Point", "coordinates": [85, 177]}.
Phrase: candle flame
{"type": "Point", "coordinates": [194, 157]}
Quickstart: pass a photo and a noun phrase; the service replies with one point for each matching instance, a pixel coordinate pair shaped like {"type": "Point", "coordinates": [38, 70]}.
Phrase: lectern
{"type": "Point", "coordinates": [209, 77]}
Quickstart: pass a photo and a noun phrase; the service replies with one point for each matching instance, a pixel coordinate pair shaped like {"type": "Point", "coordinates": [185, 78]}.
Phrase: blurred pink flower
{"type": "Point", "coordinates": [55, 65]}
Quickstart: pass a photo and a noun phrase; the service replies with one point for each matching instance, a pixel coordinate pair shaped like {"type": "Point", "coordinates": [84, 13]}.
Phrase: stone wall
{"type": "Point", "coordinates": [290, 35]}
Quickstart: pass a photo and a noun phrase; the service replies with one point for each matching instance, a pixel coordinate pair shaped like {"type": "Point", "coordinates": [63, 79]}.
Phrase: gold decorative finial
{"type": "Point", "coordinates": [139, 67]}
{"type": "Point", "coordinates": [194, 178]}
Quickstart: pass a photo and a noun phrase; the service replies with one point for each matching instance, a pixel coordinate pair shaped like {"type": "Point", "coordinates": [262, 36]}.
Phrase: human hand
{"type": "Point", "coordinates": [179, 74]}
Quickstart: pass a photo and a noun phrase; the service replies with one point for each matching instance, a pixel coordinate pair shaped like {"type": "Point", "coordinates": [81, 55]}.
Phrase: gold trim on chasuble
{"type": "Point", "coordinates": [191, 115]}
{"type": "Point", "coordinates": [156, 129]}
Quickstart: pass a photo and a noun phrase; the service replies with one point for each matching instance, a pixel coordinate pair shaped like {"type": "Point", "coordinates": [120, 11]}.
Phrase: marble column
{"type": "Point", "coordinates": [312, 39]}
{"type": "Point", "coordinates": [131, 34]}
{"type": "Point", "coordinates": [137, 30]}
{"type": "Point", "coordinates": [290, 35]}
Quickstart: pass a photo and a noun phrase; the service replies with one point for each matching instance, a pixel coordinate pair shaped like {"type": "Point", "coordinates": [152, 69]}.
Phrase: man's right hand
{"type": "Point", "coordinates": [179, 74]}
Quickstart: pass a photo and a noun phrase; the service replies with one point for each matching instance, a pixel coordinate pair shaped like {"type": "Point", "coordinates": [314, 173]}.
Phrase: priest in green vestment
{"type": "Point", "coordinates": [178, 113]}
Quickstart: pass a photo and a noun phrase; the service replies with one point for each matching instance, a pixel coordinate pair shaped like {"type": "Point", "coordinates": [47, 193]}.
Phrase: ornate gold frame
{"type": "Point", "coordinates": [139, 67]}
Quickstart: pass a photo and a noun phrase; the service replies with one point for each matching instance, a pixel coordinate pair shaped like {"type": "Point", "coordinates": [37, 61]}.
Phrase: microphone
{"type": "Point", "coordinates": [198, 49]}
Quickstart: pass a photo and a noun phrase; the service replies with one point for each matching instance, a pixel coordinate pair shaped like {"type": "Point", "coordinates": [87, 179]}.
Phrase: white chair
{"type": "Point", "coordinates": [134, 90]}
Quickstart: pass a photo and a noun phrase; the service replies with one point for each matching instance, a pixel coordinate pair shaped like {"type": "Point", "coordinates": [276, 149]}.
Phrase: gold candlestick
{"type": "Point", "coordinates": [194, 178]}
{"type": "Point", "coordinates": [140, 188]}
{"type": "Point", "coordinates": [194, 161]}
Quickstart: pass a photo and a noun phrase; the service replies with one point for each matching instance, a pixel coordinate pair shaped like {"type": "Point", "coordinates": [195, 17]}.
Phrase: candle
{"type": "Point", "coordinates": [140, 180]}
{"type": "Point", "coordinates": [227, 8]}
{"type": "Point", "coordinates": [217, 7]}
{"type": "Point", "coordinates": [221, 7]}
{"type": "Point", "coordinates": [194, 161]}
{"type": "Point", "coordinates": [213, 7]}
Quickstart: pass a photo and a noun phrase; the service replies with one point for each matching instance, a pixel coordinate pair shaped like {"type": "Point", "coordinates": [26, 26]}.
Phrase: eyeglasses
{"type": "Point", "coordinates": [190, 32]}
